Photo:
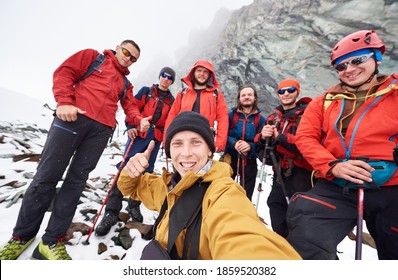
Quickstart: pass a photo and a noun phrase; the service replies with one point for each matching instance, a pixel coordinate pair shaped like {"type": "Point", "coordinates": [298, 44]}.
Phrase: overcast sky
{"type": "Point", "coordinates": [37, 36]}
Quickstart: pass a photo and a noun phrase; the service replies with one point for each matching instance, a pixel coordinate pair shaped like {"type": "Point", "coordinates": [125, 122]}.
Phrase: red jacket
{"type": "Point", "coordinates": [147, 107]}
{"type": "Point", "coordinates": [320, 143]}
{"type": "Point", "coordinates": [285, 144]}
{"type": "Point", "coordinates": [212, 107]}
{"type": "Point", "coordinates": [98, 94]}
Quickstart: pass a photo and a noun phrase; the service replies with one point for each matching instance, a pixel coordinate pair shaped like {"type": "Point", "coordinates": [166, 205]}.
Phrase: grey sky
{"type": "Point", "coordinates": [36, 36]}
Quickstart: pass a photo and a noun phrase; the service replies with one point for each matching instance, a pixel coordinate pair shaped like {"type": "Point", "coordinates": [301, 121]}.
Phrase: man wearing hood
{"type": "Point", "coordinates": [203, 95]}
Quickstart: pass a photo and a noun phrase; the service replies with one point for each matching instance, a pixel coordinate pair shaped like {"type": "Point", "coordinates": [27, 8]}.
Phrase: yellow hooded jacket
{"type": "Point", "coordinates": [231, 228]}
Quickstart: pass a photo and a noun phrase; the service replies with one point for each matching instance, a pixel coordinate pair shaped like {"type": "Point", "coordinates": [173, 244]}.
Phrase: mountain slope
{"type": "Point", "coordinates": [271, 40]}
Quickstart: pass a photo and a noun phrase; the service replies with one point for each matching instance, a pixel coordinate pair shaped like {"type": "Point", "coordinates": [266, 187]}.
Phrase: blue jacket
{"type": "Point", "coordinates": [245, 125]}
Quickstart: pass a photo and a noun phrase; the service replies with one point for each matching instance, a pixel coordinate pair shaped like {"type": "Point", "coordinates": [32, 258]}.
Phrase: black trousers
{"type": "Point", "coordinates": [320, 219]}
{"type": "Point", "coordinates": [298, 181]}
{"type": "Point", "coordinates": [247, 173]}
{"type": "Point", "coordinates": [77, 144]}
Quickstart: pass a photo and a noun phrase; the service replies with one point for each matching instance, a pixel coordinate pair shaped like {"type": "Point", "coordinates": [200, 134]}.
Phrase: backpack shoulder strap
{"type": "Point", "coordinates": [184, 215]}
{"type": "Point", "coordinates": [216, 94]}
{"type": "Point", "coordinates": [256, 121]}
{"type": "Point", "coordinates": [149, 95]}
{"type": "Point", "coordinates": [183, 91]}
{"type": "Point", "coordinates": [123, 94]}
{"type": "Point", "coordinates": [235, 118]}
{"type": "Point", "coordinates": [94, 66]}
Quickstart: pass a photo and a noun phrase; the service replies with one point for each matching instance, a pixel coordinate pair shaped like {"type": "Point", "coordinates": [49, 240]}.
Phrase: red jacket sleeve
{"type": "Point", "coordinates": [222, 122]}
{"type": "Point", "coordinates": [308, 138]}
{"type": "Point", "coordinates": [131, 108]}
{"type": "Point", "coordinates": [66, 75]}
{"type": "Point", "coordinates": [174, 110]}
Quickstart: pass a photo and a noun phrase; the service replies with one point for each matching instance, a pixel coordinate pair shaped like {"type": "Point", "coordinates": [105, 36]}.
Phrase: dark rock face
{"type": "Point", "coordinates": [271, 40]}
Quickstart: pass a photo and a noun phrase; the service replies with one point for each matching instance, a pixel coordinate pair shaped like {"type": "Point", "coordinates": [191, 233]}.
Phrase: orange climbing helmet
{"type": "Point", "coordinates": [364, 39]}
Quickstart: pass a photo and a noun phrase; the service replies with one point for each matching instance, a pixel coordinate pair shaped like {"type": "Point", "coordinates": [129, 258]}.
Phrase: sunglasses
{"type": "Point", "coordinates": [289, 90]}
{"type": "Point", "coordinates": [128, 54]}
{"type": "Point", "coordinates": [354, 62]}
{"type": "Point", "coordinates": [169, 77]}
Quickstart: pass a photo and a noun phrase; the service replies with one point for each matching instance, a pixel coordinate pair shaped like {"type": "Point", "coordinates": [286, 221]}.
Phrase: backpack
{"type": "Point", "coordinates": [99, 60]}
{"type": "Point", "coordinates": [150, 93]}
{"type": "Point", "coordinates": [185, 214]}
{"type": "Point", "coordinates": [236, 117]}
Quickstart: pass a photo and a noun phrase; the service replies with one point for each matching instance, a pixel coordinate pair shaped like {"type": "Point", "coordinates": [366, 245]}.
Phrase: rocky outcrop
{"type": "Point", "coordinates": [271, 40]}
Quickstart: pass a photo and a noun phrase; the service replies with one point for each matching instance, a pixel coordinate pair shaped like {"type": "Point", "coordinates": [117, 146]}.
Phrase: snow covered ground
{"type": "Point", "coordinates": [23, 111]}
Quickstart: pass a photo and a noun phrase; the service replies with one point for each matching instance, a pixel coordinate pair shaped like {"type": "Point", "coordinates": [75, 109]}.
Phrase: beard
{"type": "Point", "coordinates": [247, 105]}
{"type": "Point", "coordinates": [201, 83]}
{"type": "Point", "coordinates": [289, 103]}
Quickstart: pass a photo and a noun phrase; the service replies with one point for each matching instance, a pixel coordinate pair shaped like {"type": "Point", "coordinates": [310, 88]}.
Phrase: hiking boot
{"type": "Point", "coordinates": [14, 248]}
{"type": "Point", "coordinates": [105, 225]}
{"type": "Point", "coordinates": [51, 251]}
{"type": "Point", "coordinates": [135, 214]}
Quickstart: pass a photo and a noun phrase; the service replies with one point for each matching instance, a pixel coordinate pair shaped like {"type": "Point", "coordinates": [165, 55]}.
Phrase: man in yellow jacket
{"type": "Point", "coordinates": [230, 226]}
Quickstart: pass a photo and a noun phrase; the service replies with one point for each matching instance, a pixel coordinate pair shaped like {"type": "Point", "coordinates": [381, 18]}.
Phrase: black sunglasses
{"type": "Point", "coordinates": [128, 54]}
{"type": "Point", "coordinates": [289, 90]}
{"type": "Point", "coordinates": [169, 77]}
{"type": "Point", "coordinates": [354, 62]}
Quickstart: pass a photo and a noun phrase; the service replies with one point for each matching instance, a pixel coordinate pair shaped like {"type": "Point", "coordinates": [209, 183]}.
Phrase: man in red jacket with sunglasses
{"type": "Point", "coordinates": [84, 121]}
{"type": "Point", "coordinates": [292, 173]}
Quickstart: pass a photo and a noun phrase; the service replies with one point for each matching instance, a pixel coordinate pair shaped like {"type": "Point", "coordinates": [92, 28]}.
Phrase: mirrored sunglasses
{"type": "Point", "coordinates": [128, 54]}
{"type": "Point", "coordinates": [169, 77]}
{"type": "Point", "coordinates": [289, 90]}
{"type": "Point", "coordinates": [354, 62]}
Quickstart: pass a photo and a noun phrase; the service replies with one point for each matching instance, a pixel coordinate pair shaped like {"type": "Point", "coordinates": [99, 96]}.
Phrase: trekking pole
{"type": "Point", "coordinates": [260, 184]}
{"type": "Point", "coordinates": [237, 177]}
{"type": "Point", "coordinates": [242, 177]}
{"type": "Point", "coordinates": [358, 244]}
{"type": "Point", "coordinates": [86, 242]}
{"type": "Point", "coordinates": [278, 173]}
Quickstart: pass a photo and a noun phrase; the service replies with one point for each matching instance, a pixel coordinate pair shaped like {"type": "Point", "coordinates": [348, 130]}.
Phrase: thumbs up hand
{"type": "Point", "coordinates": [139, 162]}
{"type": "Point", "coordinates": [145, 124]}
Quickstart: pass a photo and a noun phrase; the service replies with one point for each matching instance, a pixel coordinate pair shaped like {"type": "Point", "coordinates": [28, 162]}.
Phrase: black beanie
{"type": "Point", "coordinates": [192, 121]}
{"type": "Point", "coordinates": [168, 70]}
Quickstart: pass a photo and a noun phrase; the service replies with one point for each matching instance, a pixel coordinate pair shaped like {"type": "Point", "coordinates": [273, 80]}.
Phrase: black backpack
{"type": "Point", "coordinates": [99, 60]}
{"type": "Point", "coordinates": [185, 214]}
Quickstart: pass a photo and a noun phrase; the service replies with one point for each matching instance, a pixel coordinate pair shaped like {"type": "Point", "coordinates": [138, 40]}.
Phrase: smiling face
{"type": "Point", "coordinates": [247, 97]}
{"type": "Point", "coordinates": [188, 152]}
{"type": "Point", "coordinates": [288, 100]}
{"type": "Point", "coordinates": [355, 75]}
{"type": "Point", "coordinates": [127, 54]}
{"type": "Point", "coordinates": [201, 76]}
